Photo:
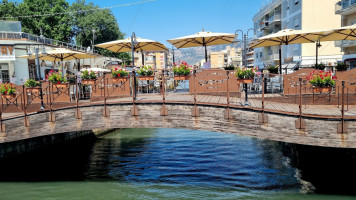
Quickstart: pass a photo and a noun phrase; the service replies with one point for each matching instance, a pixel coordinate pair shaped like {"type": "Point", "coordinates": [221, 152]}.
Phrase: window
{"type": "Point", "coordinates": [4, 73]}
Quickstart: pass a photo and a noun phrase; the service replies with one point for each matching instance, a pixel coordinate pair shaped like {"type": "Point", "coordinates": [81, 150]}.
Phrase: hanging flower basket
{"type": "Point", "coordinates": [8, 96]}
{"type": "Point", "coordinates": [146, 78]}
{"type": "Point", "coordinates": [181, 78]}
{"type": "Point", "coordinates": [120, 79]}
{"type": "Point", "coordinates": [33, 89]}
{"type": "Point", "coordinates": [322, 89]}
{"type": "Point", "coordinates": [245, 80]}
{"type": "Point", "coordinates": [89, 81]}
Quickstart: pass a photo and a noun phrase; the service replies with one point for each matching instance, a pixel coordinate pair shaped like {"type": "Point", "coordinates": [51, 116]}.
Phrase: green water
{"type": "Point", "coordinates": [158, 164]}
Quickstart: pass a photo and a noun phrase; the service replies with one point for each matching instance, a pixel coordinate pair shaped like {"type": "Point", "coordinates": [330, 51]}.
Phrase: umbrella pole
{"type": "Point", "coordinates": [206, 55]}
{"type": "Point", "coordinates": [280, 59]}
{"type": "Point", "coordinates": [317, 52]}
{"type": "Point", "coordinates": [143, 58]}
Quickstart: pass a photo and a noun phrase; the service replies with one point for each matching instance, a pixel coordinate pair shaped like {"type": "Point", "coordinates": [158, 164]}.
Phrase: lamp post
{"type": "Point", "coordinates": [173, 55]}
{"type": "Point", "coordinates": [244, 53]}
{"type": "Point", "coordinates": [38, 69]}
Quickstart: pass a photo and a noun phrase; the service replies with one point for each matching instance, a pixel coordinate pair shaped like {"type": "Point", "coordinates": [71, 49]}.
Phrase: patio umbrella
{"type": "Point", "coordinates": [61, 54]}
{"type": "Point", "coordinates": [343, 33]}
{"type": "Point", "coordinates": [203, 39]}
{"type": "Point", "coordinates": [141, 44]}
{"type": "Point", "coordinates": [290, 36]}
{"type": "Point", "coordinates": [96, 69]}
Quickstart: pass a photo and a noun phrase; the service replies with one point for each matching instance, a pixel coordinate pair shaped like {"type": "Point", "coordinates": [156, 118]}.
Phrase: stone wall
{"type": "Point", "coordinates": [318, 132]}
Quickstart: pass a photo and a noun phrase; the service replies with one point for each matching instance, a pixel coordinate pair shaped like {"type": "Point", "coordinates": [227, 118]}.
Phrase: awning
{"type": "Point", "coordinates": [289, 66]}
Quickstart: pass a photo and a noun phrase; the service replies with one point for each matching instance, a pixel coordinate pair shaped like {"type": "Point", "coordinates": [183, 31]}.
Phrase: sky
{"type": "Point", "coordinates": [161, 20]}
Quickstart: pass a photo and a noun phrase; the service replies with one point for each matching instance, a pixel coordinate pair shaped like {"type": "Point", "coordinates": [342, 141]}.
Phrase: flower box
{"type": "Point", "coordinates": [246, 80]}
{"type": "Point", "coordinates": [322, 89]}
{"type": "Point", "coordinates": [33, 89]}
{"type": "Point", "coordinates": [120, 79]}
{"type": "Point", "coordinates": [146, 78]}
{"type": "Point", "coordinates": [89, 81]}
{"type": "Point", "coordinates": [60, 85]}
{"type": "Point", "coordinates": [8, 96]}
{"type": "Point", "coordinates": [181, 78]}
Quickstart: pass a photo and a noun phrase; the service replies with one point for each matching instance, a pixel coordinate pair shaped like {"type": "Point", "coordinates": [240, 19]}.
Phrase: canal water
{"type": "Point", "coordinates": [159, 164]}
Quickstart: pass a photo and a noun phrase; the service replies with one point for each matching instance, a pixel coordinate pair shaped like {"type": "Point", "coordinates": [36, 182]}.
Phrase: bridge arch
{"type": "Point", "coordinates": [279, 127]}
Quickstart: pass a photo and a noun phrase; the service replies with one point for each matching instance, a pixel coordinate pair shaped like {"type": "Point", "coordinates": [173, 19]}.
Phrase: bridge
{"type": "Point", "coordinates": [280, 108]}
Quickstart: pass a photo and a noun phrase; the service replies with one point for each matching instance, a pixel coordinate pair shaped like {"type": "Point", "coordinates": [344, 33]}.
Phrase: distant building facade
{"type": "Point", "coordinates": [298, 15]}
{"type": "Point", "coordinates": [347, 10]}
{"type": "Point", "coordinates": [229, 56]}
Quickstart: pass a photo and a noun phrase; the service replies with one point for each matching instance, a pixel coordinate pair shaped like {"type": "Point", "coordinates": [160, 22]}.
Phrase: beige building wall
{"type": "Point", "coordinates": [320, 15]}
{"type": "Point", "coordinates": [217, 59]}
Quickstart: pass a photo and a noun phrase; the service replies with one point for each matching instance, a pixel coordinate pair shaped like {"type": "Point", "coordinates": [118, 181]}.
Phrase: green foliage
{"type": "Point", "coordinates": [320, 66]}
{"type": "Point", "coordinates": [86, 75]}
{"type": "Point", "coordinates": [57, 26]}
{"type": "Point", "coordinates": [182, 69]}
{"type": "Point", "coordinates": [32, 83]}
{"type": "Point", "coordinates": [273, 69]}
{"type": "Point", "coordinates": [102, 21]}
{"type": "Point", "coordinates": [229, 67]}
{"type": "Point", "coordinates": [56, 78]}
{"type": "Point", "coordinates": [341, 66]}
{"type": "Point", "coordinates": [119, 72]}
{"type": "Point", "coordinates": [7, 88]}
{"type": "Point", "coordinates": [321, 79]}
{"type": "Point", "coordinates": [245, 73]}
{"type": "Point", "coordinates": [9, 9]}
{"type": "Point", "coordinates": [145, 71]}
{"type": "Point", "coordinates": [71, 78]}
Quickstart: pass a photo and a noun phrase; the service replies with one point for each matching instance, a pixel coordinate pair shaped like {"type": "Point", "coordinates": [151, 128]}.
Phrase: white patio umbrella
{"type": "Point", "coordinates": [203, 39]}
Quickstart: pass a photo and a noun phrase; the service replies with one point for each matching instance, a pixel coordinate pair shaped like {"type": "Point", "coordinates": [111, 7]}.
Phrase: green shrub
{"type": "Point", "coordinates": [341, 66]}
{"type": "Point", "coordinates": [32, 83]}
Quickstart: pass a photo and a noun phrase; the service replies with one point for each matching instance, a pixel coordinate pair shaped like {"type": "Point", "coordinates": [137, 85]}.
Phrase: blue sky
{"type": "Point", "coordinates": [161, 20]}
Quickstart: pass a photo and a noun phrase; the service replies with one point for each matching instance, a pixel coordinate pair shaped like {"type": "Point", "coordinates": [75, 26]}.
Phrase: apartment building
{"type": "Point", "coordinates": [298, 15]}
{"type": "Point", "coordinates": [229, 56]}
{"type": "Point", "coordinates": [347, 10]}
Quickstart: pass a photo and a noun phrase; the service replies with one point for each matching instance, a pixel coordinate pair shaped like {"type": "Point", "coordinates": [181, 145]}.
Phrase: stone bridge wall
{"type": "Point", "coordinates": [318, 132]}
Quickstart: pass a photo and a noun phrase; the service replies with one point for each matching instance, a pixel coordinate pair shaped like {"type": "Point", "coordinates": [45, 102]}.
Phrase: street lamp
{"type": "Point", "coordinates": [173, 55]}
{"type": "Point", "coordinates": [38, 69]}
{"type": "Point", "coordinates": [244, 54]}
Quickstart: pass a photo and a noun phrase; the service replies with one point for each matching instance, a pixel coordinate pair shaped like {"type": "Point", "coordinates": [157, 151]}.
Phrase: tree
{"type": "Point", "coordinates": [102, 21]}
{"type": "Point", "coordinates": [8, 9]}
{"type": "Point", "coordinates": [57, 25]}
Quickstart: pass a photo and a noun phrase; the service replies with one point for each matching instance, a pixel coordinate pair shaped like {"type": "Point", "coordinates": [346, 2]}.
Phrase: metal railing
{"type": "Point", "coordinates": [281, 94]}
{"type": "Point", "coordinates": [344, 5]}
{"type": "Point", "coordinates": [345, 43]}
{"type": "Point", "coordinates": [43, 40]}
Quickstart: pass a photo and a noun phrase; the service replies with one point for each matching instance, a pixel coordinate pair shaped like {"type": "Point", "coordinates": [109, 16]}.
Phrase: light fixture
{"type": "Point", "coordinates": [29, 52]}
{"type": "Point", "coordinates": [44, 52]}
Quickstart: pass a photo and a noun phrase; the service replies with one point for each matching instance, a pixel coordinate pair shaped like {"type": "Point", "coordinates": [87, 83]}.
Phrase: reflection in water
{"type": "Point", "coordinates": [158, 164]}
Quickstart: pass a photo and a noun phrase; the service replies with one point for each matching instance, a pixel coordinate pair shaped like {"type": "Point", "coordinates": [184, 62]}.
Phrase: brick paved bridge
{"type": "Point", "coordinates": [212, 101]}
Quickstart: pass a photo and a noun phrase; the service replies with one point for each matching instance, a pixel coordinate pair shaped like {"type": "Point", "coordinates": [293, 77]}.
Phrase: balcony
{"type": "Point", "coordinates": [345, 43]}
{"type": "Point", "coordinates": [345, 7]}
{"type": "Point", "coordinates": [274, 19]}
{"type": "Point", "coordinates": [271, 57]}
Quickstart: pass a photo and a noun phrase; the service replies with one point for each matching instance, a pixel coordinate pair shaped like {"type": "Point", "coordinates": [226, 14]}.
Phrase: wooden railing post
{"type": "Point", "coordinates": [342, 127]}
{"type": "Point", "coordinates": [228, 114]}
{"type": "Point", "coordinates": [262, 118]}
{"type": "Point", "coordinates": [134, 110]}
{"type": "Point", "coordinates": [195, 112]}
{"type": "Point", "coordinates": [300, 123]}
{"type": "Point", "coordinates": [78, 114]}
{"type": "Point", "coordinates": [51, 117]}
{"type": "Point", "coordinates": [105, 112]}
{"type": "Point", "coordinates": [27, 122]}
{"type": "Point", "coordinates": [164, 111]}
{"type": "Point", "coordinates": [2, 125]}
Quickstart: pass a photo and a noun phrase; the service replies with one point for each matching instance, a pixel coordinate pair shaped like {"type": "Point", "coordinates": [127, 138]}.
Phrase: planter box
{"type": "Point", "coordinates": [146, 78]}
{"type": "Point", "coordinates": [247, 80]}
{"type": "Point", "coordinates": [322, 89]}
{"type": "Point", "coordinates": [89, 81]}
{"type": "Point", "coordinates": [181, 78]}
{"type": "Point", "coordinates": [8, 96]}
{"type": "Point", "coordinates": [120, 79]}
{"type": "Point", "coordinates": [33, 89]}
{"type": "Point", "coordinates": [61, 85]}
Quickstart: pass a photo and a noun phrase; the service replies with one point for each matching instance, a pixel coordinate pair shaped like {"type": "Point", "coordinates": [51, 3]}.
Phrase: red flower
{"type": "Point", "coordinates": [320, 71]}
{"type": "Point", "coordinates": [5, 92]}
{"type": "Point", "coordinates": [118, 75]}
{"type": "Point", "coordinates": [334, 77]}
{"type": "Point", "coordinates": [58, 82]}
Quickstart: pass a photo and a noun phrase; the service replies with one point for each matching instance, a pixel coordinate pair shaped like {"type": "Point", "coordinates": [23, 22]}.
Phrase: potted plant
{"type": "Point", "coordinates": [229, 67]}
{"type": "Point", "coordinates": [245, 75]}
{"type": "Point", "coordinates": [321, 81]}
{"type": "Point", "coordinates": [320, 66]}
{"type": "Point", "coordinates": [146, 73]}
{"type": "Point", "coordinates": [32, 85]}
{"type": "Point", "coordinates": [181, 71]}
{"type": "Point", "coordinates": [57, 79]}
{"type": "Point", "coordinates": [119, 74]}
{"type": "Point", "coordinates": [341, 66]}
{"type": "Point", "coordinates": [71, 79]}
{"type": "Point", "coordinates": [88, 77]}
{"type": "Point", "coordinates": [7, 90]}
{"type": "Point", "coordinates": [272, 69]}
